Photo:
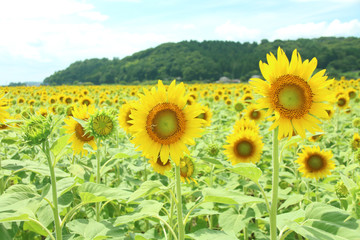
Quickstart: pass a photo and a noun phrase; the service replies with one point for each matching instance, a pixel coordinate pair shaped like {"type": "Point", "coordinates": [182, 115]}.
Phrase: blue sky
{"type": "Point", "coordinates": [40, 37]}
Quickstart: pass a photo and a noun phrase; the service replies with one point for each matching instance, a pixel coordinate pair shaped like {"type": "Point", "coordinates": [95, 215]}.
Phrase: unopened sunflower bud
{"type": "Point", "coordinates": [36, 129]}
{"type": "Point", "coordinates": [213, 150]}
{"type": "Point", "coordinates": [102, 124]}
{"type": "Point", "coordinates": [341, 190]}
{"type": "Point", "coordinates": [356, 122]}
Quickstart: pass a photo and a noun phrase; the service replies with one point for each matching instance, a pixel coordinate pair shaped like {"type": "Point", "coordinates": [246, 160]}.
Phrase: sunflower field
{"type": "Point", "coordinates": [275, 158]}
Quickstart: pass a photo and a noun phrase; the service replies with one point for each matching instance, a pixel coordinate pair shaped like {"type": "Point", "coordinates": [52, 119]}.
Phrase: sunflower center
{"type": "Point", "coordinates": [86, 102]}
{"type": "Point", "coordinates": [341, 102]}
{"type": "Point", "coordinates": [165, 123]}
{"type": "Point", "coordinates": [80, 133]}
{"type": "Point", "coordinates": [255, 114]}
{"type": "Point", "coordinates": [315, 162]}
{"type": "Point", "coordinates": [103, 125]}
{"type": "Point", "coordinates": [244, 148]}
{"type": "Point", "coordinates": [291, 96]}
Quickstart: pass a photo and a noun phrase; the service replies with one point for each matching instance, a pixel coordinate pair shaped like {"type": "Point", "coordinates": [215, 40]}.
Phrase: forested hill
{"type": "Point", "coordinates": [208, 61]}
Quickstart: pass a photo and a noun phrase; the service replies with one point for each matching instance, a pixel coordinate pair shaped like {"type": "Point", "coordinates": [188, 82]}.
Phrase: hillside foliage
{"type": "Point", "coordinates": [207, 61]}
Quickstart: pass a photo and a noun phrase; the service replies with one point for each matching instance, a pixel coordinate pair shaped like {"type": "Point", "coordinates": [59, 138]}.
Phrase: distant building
{"type": "Point", "coordinates": [227, 80]}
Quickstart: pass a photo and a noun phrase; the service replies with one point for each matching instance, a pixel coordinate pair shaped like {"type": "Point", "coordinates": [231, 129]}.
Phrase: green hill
{"type": "Point", "coordinates": [207, 61]}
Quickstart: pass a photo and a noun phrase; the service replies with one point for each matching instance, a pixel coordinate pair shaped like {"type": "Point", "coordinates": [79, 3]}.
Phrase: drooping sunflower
{"type": "Point", "coordinates": [244, 147]}
{"type": "Point", "coordinates": [163, 124]}
{"type": "Point", "coordinates": [3, 106]}
{"type": "Point", "coordinates": [187, 169]}
{"type": "Point", "coordinates": [355, 143]}
{"type": "Point", "coordinates": [289, 91]}
{"type": "Point", "coordinates": [159, 166]}
{"type": "Point", "coordinates": [315, 163]}
{"type": "Point", "coordinates": [78, 135]}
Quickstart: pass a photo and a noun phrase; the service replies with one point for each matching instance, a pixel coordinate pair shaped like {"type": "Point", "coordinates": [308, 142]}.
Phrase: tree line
{"type": "Point", "coordinates": [207, 61]}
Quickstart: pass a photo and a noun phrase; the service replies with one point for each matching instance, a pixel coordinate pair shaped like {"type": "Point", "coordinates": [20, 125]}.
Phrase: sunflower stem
{"type": "Point", "coordinates": [46, 150]}
{"type": "Point", "coordinates": [275, 185]}
{"type": "Point", "coordinates": [181, 229]}
{"type": "Point", "coordinates": [98, 176]}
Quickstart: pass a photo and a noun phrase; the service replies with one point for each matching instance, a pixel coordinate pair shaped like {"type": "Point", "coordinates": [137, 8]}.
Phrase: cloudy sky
{"type": "Point", "coordinates": [39, 37]}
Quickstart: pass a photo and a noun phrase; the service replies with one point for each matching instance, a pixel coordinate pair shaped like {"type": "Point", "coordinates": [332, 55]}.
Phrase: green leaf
{"type": "Point", "coordinates": [206, 234]}
{"type": "Point", "coordinates": [228, 197]}
{"type": "Point", "coordinates": [247, 170]}
{"type": "Point", "coordinates": [212, 160]}
{"type": "Point", "coordinates": [101, 190]}
{"type": "Point", "coordinates": [327, 222]}
{"type": "Point", "coordinates": [147, 188]}
{"type": "Point", "coordinates": [350, 184]}
{"type": "Point", "coordinates": [285, 218]}
{"type": "Point", "coordinates": [31, 226]}
{"type": "Point", "coordinates": [87, 197]}
{"type": "Point", "coordinates": [231, 221]}
{"type": "Point", "coordinates": [58, 146]}
{"type": "Point", "coordinates": [147, 208]}
{"type": "Point", "coordinates": [89, 229]}
{"type": "Point", "coordinates": [292, 199]}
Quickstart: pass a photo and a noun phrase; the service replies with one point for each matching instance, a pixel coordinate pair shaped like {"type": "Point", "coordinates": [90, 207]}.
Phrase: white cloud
{"type": "Point", "coordinates": [66, 30]}
{"type": "Point", "coordinates": [312, 30]}
{"type": "Point", "coordinates": [235, 32]}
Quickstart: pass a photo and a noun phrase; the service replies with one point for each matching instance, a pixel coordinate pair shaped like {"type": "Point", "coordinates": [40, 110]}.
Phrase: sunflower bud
{"type": "Point", "coordinates": [36, 129]}
{"type": "Point", "coordinates": [355, 143]}
{"type": "Point", "coordinates": [102, 124]}
{"type": "Point", "coordinates": [213, 150]}
{"type": "Point", "coordinates": [341, 190]}
{"type": "Point", "coordinates": [356, 122]}
{"type": "Point", "coordinates": [239, 106]}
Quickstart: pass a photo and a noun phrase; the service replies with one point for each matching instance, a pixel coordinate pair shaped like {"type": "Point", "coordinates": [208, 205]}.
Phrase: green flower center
{"type": "Point", "coordinates": [165, 123]}
{"type": "Point", "coordinates": [244, 148]}
{"type": "Point", "coordinates": [291, 97]}
{"type": "Point", "coordinates": [315, 162]}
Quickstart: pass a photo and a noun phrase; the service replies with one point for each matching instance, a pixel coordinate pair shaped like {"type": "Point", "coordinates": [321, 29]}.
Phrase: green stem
{"type": "Point", "coordinates": [275, 185]}
{"type": "Point", "coordinates": [98, 176]}
{"type": "Point", "coordinates": [172, 201]}
{"type": "Point", "coordinates": [55, 208]}
{"type": "Point", "coordinates": [179, 204]}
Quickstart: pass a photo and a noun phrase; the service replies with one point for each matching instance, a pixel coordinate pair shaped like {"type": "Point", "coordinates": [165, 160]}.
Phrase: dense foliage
{"type": "Point", "coordinates": [209, 60]}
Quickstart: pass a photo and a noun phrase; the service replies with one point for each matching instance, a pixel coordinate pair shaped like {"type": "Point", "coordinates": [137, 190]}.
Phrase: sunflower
{"type": "Point", "coordinates": [315, 163]}
{"type": "Point", "coordinates": [20, 100]}
{"type": "Point", "coordinates": [86, 101]}
{"type": "Point", "coordinates": [342, 101]}
{"type": "Point", "coordinates": [159, 166]}
{"type": "Point", "coordinates": [164, 124]}
{"type": "Point", "coordinates": [3, 106]}
{"type": "Point", "coordinates": [239, 106]}
{"type": "Point", "coordinates": [246, 124]}
{"type": "Point", "coordinates": [52, 100]}
{"type": "Point", "coordinates": [124, 116]}
{"type": "Point", "coordinates": [355, 144]}
{"type": "Point", "coordinates": [291, 92]}
{"type": "Point", "coordinates": [78, 136]}
{"type": "Point", "coordinates": [206, 115]}
{"type": "Point", "coordinates": [254, 113]}
{"type": "Point", "coordinates": [315, 138]}
{"type": "Point", "coordinates": [187, 169]}
{"type": "Point", "coordinates": [247, 98]}
{"type": "Point", "coordinates": [351, 93]}
{"type": "Point", "coordinates": [244, 146]}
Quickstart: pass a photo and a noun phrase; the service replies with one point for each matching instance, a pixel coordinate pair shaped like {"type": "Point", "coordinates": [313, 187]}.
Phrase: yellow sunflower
{"type": "Point", "coordinates": [124, 116]}
{"type": "Point", "coordinates": [290, 91]}
{"type": "Point", "coordinates": [355, 144]}
{"type": "Point", "coordinates": [187, 169]}
{"type": "Point", "coordinates": [342, 101]}
{"type": "Point", "coordinates": [244, 147]}
{"type": "Point", "coordinates": [315, 163]}
{"type": "Point", "coordinates": [255, 114]}
{"type": "Point", "coordinates": [159, 166]}
{"type": "Point", "coordinates": [206, 115]}
{"type": "Point", "coordinates": [163, 124]}
{"type": "Point", "coordinates": [246, 124]}
{"type": "Point", "coordinates": [78, 136]}
{"type": "Point", "coordinates": [3, 106]}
